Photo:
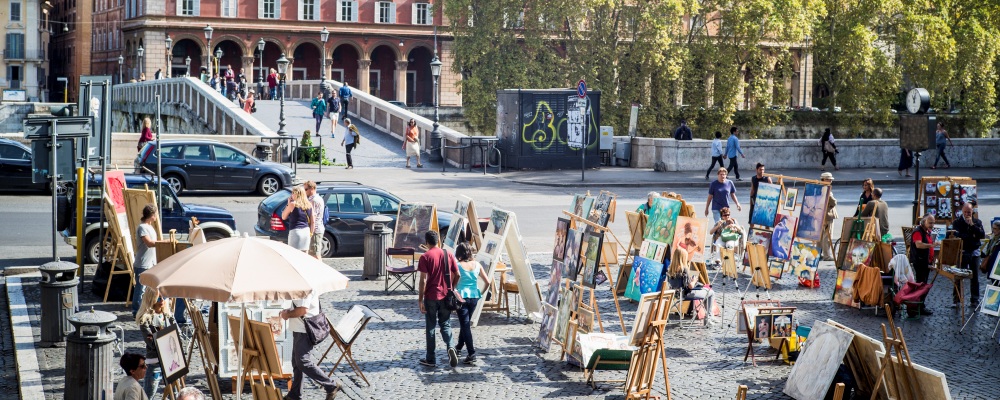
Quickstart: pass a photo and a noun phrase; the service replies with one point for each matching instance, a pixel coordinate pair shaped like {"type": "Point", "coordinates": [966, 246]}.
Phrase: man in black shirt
{"type": "Point", "coordinates": [754, 181]}
{"type": "Point", "coordinates": [971, 231]}
{"type": "Point", "coordinates": [683, 132]}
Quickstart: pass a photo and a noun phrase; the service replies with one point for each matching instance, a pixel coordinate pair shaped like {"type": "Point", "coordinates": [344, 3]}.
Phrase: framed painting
{"type": "Point", "coordinates": [813, 213]}
{"type": "Point", "coordinates": [766, 204]}
{"type": "Point", "coordinates": [782, 326]}
{"type": "Point", "coordinates": [662, 219]}
{"type": "Point", "coordinates": [172, 361]}
{"type": "Point", "coordinates": [818, 362]}
{"type": "Point", "coordinates": [576, 207]}
{"type": "Point", "coordinates": [691, 238]}
{"type": "Point", "coordinates": [567, 304]}
{"type": "Point", "coordinates": [585, 320]}
{"type": "Point", "coordinates": [805, 260]}
{"type": "Point", "coordinates": [571, 261]}
{"type": "Point", "coordinates": [646, 277]}
{"type": "Point", "coordinates": [412, 222]}
{"type": "Point", "coordinates": [590, 256]}
{"type": "Point", "coordinates": [559, 249]}
{"type": "Point", "coordinates": [991, 301]}
{"type": "Point", "coordinates": [995, 270]}
{"type": "Point", "coordinates": [844, 291]}
{"type": "Point", "coordinates": [775, 268]}
{"type": "Point", "coordinates": [498, 222]}
{"type": "Point", "coordinates": [762, 326]}
{"type": "Point", "coordinates": [555, 278]}
{"type": "Point", "coordinates": [653, 250]}
{"type": "Point", "coordinates": [858, 252]}
{"type": "Point", "coordinates": [549, 319]}
{"type": "Point", "coordinates": [452, 239]}
{"type": "Point", "coordinates": [781, 238]}
{"type": "Point", "coordinates": [789, 199]}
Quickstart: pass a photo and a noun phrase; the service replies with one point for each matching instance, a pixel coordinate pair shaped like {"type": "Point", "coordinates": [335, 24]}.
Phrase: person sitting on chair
{"type": "Point", "coordinates": [679, 276]}
{"type": "Point", "coordinates": [727, 232]}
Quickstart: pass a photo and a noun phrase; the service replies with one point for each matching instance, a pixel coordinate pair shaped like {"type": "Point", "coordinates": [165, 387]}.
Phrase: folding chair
{"type": "Point", "coordinates": [396, 277]}
{"type": "Point", "coordinates": [345, 333]}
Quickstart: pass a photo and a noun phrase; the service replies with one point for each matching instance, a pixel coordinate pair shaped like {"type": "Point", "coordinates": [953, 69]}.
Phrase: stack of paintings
{"type": "Point", "coordinates": [858, 252]}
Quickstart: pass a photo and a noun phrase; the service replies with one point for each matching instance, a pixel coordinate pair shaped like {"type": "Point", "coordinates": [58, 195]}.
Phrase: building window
{"type": "Point", "coordinates": [347, 11]}
{"type": "Point", "coordinates": [186, 7]}
{"type": "Point", "coordinates": [422, 14]}
{"type": "Point", "coordinates": [386, 12]}
{"type": "Point", "coordinates": [229, 8]}
{"type": "Point", "coordinates": [269, 9]}
{"type": "Point", "coordinates": [15, 11]}
{"type": "Point", "coordinates": [15, 46]}
{"type": "Point", "coordinates": [307, 10]}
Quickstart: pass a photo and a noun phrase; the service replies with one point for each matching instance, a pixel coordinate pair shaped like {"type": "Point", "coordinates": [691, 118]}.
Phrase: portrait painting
{"type": "Point", "coordinates": [967, 193]}
{"type": "Point", "coordinates": [412, 222]}
{"type": "Point", "coordinates": [805, 260]}
{"type": "Point", "coordinates": [567, 304]}
{"type": "Point", "coordinates": [789, 199]}
{"type": "Point", "coordinates": [813, 213]}
{"type": "Point", "coordinates": [559, 249]}
{"type": "Point", "coordinates": [662, 219]}
{"type": "Point", "coordinates": [591, 253]}
{"type": "Point", "coordinates": [781, 237]}
{"type": "Point", "coordinates": [762, 326]}
{"type": "Point", "coordinates": [766, 204]}
{"type": "Point", "coordinates": [498, 222]}
{"type": "Point", "coordinates": [782, 326]}
{"type": "Point", "coordinates": [646, 277]}
{"type": "Point", "coordinates": [858, 252]}
{"type": "Point", "coordinates": [690, 237]}
{"type": "Point", "coordinates": [991, 300]}
{"type": "Point", "coordinates": [168, 344]}
{"type": "Point", "coordinates": [571, 262]}
{"type": "Point", "coordinates": [549, 319]}
{"type": "Point", "coordinates": [931, 188]}
{"type": "Point", "coordinates": [552, 297]}
{"type": "Point", "coordinates": [584, 320]}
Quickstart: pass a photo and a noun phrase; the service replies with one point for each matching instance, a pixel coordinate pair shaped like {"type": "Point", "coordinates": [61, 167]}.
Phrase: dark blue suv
{"type": "Point", "coordinates": [216, 222]}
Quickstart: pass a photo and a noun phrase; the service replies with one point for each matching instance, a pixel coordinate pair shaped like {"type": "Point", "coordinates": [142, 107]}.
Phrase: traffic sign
{"type": "Point", "coordinates": [581, 89]}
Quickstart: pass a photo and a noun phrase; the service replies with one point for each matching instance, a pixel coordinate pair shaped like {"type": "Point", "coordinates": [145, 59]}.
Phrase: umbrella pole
{"type": "Point", "coordinates": [239, 369]}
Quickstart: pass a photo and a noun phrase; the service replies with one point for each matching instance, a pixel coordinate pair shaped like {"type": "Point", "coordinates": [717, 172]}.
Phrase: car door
{"type": "Point", "coordinates": [197, 163]}
{"type": "Point", "coordinates": [233, 171]}
{"type": "Point", "coordinates": [348, 220]}
{"type": "Point", "coordinates": [383, 204]}
{"type": "Point", "coordinates": [15, 166]}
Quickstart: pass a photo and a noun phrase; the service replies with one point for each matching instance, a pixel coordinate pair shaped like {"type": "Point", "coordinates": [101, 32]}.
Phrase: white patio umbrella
{"type": "Point", "coordinates": [242, 270]}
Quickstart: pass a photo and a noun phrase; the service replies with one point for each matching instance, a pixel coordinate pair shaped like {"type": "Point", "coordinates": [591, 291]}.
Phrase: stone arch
{"type": "Point", "coordinates": [344, 65]}
{"type": "Point", "coordinates": [307, 59]}
{"type": "Point", "coordinates": [186, 46]}
{"type": "Point", "coordinates": [358, 48]}
{"type": "Point", "coordinates": [233, 50]}
{"type": "Point", "coordinates": [419, 83]}
{"type": "Point", "coordinates": [231, 38]}
{"type": "Point", "coordinates": [382, 42]}
{"type": "Point", "coordinates": [382, 72]}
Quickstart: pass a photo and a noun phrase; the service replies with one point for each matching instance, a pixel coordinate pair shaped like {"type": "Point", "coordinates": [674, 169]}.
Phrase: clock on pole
{"type": "Point", "coordinates": [918, 101]}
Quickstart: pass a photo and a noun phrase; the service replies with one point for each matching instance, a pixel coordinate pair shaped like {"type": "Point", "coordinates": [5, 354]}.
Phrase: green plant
{"type": "Point", "coordinates": [310, 154]}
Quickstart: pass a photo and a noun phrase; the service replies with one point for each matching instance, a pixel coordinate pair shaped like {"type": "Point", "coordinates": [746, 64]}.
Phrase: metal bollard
{"type": "Point", "coordinates": [376, 243]}
{"type": "Point", "coordinates": [89, 357]}
{"type": "Point", "coordinates": [59, 300]}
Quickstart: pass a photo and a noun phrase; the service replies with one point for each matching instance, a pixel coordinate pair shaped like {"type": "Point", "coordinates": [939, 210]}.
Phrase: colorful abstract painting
{"type": "Point", "coordinates": [646, 277]}
{"type": "Point", "coordinates": [766, 204]}
{"type": "Point", "coordinates": [781, 237]}
{"type": "Point", "coordinates": [662, 220]}
{"type": "Point", "coordinates": [844, 292]}
{"type": "Point", "coordinates": [858, 252]}
{"type": "Point", "coordinates": [805, 260]}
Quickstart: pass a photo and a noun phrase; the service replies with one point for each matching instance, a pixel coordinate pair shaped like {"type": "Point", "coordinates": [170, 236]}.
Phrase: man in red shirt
{"type": "Point", "coordinates": [433, 287]}
{"type": "Point", "coordinates": [922, 252]}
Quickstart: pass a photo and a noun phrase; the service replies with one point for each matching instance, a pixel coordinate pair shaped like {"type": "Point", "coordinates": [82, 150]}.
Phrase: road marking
{"type": "Point", "coordinates": [28, 376]}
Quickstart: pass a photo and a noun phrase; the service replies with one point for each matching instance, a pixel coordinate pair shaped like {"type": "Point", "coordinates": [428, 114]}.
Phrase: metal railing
{"type": "Point", "coordinates": [17, 53]}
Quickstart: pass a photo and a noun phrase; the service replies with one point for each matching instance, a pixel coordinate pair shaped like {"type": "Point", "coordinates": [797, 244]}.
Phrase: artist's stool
{"type": "Point", "coordinates": [509, 287]}
{"type": "Point", "coordinates": [397, 277]}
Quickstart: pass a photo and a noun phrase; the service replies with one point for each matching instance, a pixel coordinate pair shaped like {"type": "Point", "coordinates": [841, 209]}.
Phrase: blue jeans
{"type": "Point", "coordinates": [941, 155]}
{"type": "Point", "coordinates": [180, 311]}
{"type": "Point", "coordinates": [716, 216]}
{"type": "Point", "coordinates": [319, 121]}
{"type": "Point", "coordinates": [465, 325]}
{"type": "Point", "coordinates": [137, 292]}
{"type": "Point", "coordinates": [302, 363]}
{"type": "Point", "coordinates": [151, 383]}
{"type": "Point", "coordinates": [273, 91]}
{"type": "Point", "coordinates": [437, 315]}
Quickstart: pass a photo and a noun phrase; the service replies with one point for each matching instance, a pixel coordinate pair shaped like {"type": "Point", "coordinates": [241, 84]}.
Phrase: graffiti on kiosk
{"type": "Point", "coordinates": [545, 127]}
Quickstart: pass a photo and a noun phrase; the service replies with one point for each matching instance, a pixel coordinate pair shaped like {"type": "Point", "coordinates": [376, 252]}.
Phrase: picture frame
{"type": "Point", "coordinates": [782, 326]}
{"type": "Point", "coordinates": [995, 270]}
{"type": "Point", "coordinates": [278, 325]}
{"type": "Point", "coordinates": [858, 252]}
{"type": "Point", "coordinates": [591, 256]}
{"type": "Point", "coordinates": [775, 268]}
{"type": "Point", "coordinates": [766, 204]}
{"type": "Point", "coordinates": [762, 326]}
{"type": "Point", "coordinates": [555, 278]}
{"type": "Point", "coordinates": [690, 236]}
{"type": "Point", "coordinates": [567, 304]}
{"type": "Point", "coordinates": [585, 320]}
{"type": "Point", "coordinates": [789, 199]}
{"type": "Point", "coordinates": [545, 331]}
{"type": "Point", "coordinates": [991, 301]}
{"type": "Point", "coordinates": [498, 222]}
{"type": "Point", "coordinates": [412, 221]}
{"type": "Point", "coordinates": [571, 261]}
{"type": "Point", "coordinates": [172, 361]}
{"type": "Point", "coordinates": [453, 238]}
{"type": "Point", "coordinates": [559, 248]}
{"type": "Point", "coordinates": [812, 215]}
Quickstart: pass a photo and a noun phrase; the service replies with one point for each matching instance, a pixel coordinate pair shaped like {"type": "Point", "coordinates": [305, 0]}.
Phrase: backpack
{"type": "Point", "coordinates": [326, 214]}
{"type": "Point", "coordinates": [357, 135]}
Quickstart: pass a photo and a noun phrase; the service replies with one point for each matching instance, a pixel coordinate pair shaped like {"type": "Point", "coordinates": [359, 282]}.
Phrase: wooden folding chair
{"type": "Point", "coordinates": [396, 277]}
{"type": "Point", "coordinates": [345, 333]}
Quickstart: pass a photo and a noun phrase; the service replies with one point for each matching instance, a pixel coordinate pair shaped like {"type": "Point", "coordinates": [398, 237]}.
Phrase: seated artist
{"type": "Point", "coordinates": [681, 276]}
{"type": "Point", "coordinates": [644, 207]}
{"type": "Point", "coordinates": [727, 232]}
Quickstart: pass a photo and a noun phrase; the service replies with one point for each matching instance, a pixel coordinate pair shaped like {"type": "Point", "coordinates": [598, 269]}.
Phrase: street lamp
{"type": "Point", "coordinates": [170, 63]}
{"type": "Point", "coordinates": [208, 47]}
{"type": "Point", "coordinates": [323, 36]}
{"type": "Point", "coordinates": [121, 60]}
{"type": "Point", "coordinates": [435, 134]}
{"type": "Point", "coordinates": [187, 66]}
{"type": "Point", "coordinates": [139, 52]}
{"type": "Point", "coordinates": [282, 66]}
{"type": "Point", "coordinates": [218, 60]}
{"type": "Point", "coordinates": [260, 49]}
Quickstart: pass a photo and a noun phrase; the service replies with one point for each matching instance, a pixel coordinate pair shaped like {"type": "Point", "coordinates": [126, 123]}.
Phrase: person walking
{"type": "Point", "coordinates": [829, 146]}
{"type": "Point", "coordinates": [435, 267]}
{"type": "Point", "coordinates": [345, 99]}
{"type": "Point", "coordinates": [717, 153]}
{"type": "Point", "coordinates": [972, 233]}
{"type": "Point", "coordinates": [732, 150]}
{"type": "Point", "coordinates": [145, 252]}
{"type": "Point", "coordinates": [272, 84]}
{"type": "Point", "coordinates": [152, 318]}
{"type": "Point", "coordinates": [682, 132]}
{"type": "Point", "coordinates": [411, 143]}
{"type": "Point", "coordinates": [470, 272]}
{"type": "Point", "coordinates": [826, 240]}
{"type": "Point", "coordinates": [754, 183]}
{"type": "Point", "coordinates": [158, 74]}
{"type": "Point", "coordinates": [128, 387]}
{"type": "Point", "coordinates": [879, 209]}
{"type": "Point", "coordinates": [318, 107]}
{"type": "Point", "coordinates": [719, 193]}
{"type": "Point", "coordinates": [350, 141]}
{"type": "Point", "coordinates": [297, 213]}
{"type": "Point", "coordinates": [302, 346]}
{"type": "Point", "coordinates": [905, 162]}
{"type": "Point", "coordinates": [318, 222]}
{"type": "Point", "coordinates": [204, 75]}
{"type": "Point", "coordinates": [941, 140]}
{"type": "Point", "coordinates": [248, 103]}
{"type": "Point", "coordinates": [867, 194]}
{"type": "Point", "coordinates": [147, 133]}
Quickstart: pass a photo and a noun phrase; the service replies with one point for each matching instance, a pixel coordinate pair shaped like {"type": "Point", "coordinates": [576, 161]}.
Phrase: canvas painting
{"type": "Point", "coordinates": [775, 268]}
{"type": "Point", "coordinates": [461, 208]}
{"type": "Point", "coordinates": [278, 325]}
{"type": "Point", "coordinates": [781, 237]}
{"type": "Point", "coordinates": [452, 239]}
{"type": "Point", "coordinates": [549, 319]}
{"type": "Point", "coordinates": [413, 221]}
{"type": "Point", "coordinates": [653, 250]}
{"type": "Point", "coordinates": [844, 291]}
{"type": "Point", "coordinates": [782, 326]}
{"type": "Point", "coordinates": [762, 326]}
{"type": "Point", "coordinates": [172, 361]}
{"type": "Point", "coordinates": [814, 199]}
{"type": "Point", "coordinates": [492, 247]}
{"type": "Point", "coordinates": [566, 306]}
{"type": "Point", "coordinates": [943, 187]}
{"type": "Point", "coordinates": [498, 222]}
{"type": "Point", "coordinates": [559, 249]}
{"type": "Point", "coordinates": [590, 252]}
{"type": "Point", "coordinates": [577, 206]}
{"type": "Point", "coordinates": [995, 271]}
{"type": "Point", "coordinates": [858, 252]}
{"type": "Point", "coordinates": [759, 237]}
{"type": "Point", "coordinates": [805, 260]}
{"type": "Point", "coordinates": [552, 297]}
{"type": "Point", "coordinates": [991, 300]}
{"type": "Point", "coordinates": [645, 278]}
{"type": "Point", "coordinates": [818, 362]}
{"type": "Point", "coordinates": [931, 201]}
{"type": "Point", "coordinates": [599, 213]}
{"type": "Point", "coordinates": [571, 263]}
{"type": "Point", "coordinates": [766, 205]}
{"type": "Point", "coordinates": [584, 320]}
{"type": "Point", "coordinates": [588, 204]}
{"type": "Point", "coordinates": [690, 237]}
{"type": "Point", "coordinates": [662, 220]}
{"type": "Point", "coordinates": [789, 199]}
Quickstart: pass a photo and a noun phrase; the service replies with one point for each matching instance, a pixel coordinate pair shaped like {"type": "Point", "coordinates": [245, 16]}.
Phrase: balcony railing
{"type": "Point", "coordinates": [23, 54]}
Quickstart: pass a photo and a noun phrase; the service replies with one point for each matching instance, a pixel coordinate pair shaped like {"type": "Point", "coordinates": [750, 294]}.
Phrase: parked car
{"type": "Point", "coordinates": [349, 203]}
{"type": "Point", "coordinates": [15, 168]}
{"type": "Point", "coordinates": [215, 222]}
{"type": "Point", "coordinates": [213, 165]}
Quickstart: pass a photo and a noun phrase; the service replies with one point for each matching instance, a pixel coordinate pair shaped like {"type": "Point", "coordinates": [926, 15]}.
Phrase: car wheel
{"type": "Point", "coordinates": [93, 251]}
{"type": "Point", "coordinates": [175, 182]}
{"type": "Point", "coordinates": [214, 235]}
{"type": "Point", "coordinates": [329, 246]}
{"type": "Point", "coordinates": [268, 185]}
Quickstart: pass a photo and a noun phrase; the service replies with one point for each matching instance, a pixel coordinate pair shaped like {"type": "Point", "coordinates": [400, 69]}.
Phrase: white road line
{"type": "Point", "coordinates": [28, 376]}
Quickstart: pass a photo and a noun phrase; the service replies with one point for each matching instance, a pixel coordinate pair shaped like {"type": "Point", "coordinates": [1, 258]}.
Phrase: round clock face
{"type": "Point", "coordinates": [916, 101]}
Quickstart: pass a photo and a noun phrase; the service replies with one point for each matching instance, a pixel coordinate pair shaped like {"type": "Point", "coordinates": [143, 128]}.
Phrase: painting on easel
{"type": "Point", "coordinates": [991, 301]}
{"type": "Point", "coordinates": [653, 250]}
{"type": "Point", "coordinates": [788, 200]}
{"type": "Point", "coordinates": [552, 297]}
{"type": "Point", "coordinates": [498, 222]}
{"type": "Point", "coordinates": [567, 304]}
{"type": "Point", "coordinates": [662, 220]}
{"type": "Point", "coordinates": [549, 319]}
{"type": "Point", "coordinates": [645, 278]}
{"type": "Point", "coordinates": [600, 212]}
{"type": "Point", "coordinates": [781, 237]}
{"type": "Point", "coordinates": [571, 261]}
{"type": "Point", "coordinates": [591, 252]}
{"type": "Point", "coordinates": [691, 238]}
{"type": "Point", "coordinates": [858, 252]}
{"type": "Point", "coordinates": [813, 212]}
{"type": "Point", "coordinates": [413, 221]}
{"type": "Point", "coordinates": [805, 260]}
{"type": "Point", "coordinates": [455, 231]}
{"type": "Point", "coordinates": [844, 292]}
{"type": "Point", "coordinates": [766, 205]}
{"type": "Point", "coordinates": [559, 249]}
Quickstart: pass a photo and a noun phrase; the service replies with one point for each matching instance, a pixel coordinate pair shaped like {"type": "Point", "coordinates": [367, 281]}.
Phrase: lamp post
{"type": "Point", "coordinates": [218, 61]}
{"type": "Point", "coordinates": [121, 60]}
{"type": "Point", "coordinates": [435, 134]}
{"type": "Point", "coordinates": [260, 49]}
{"type": "Point", "coordinates": [323, 36]}
{"type": "Point", "coordinates": [139, 52]}
{"type": "Point", "coordinates": [282, 66]}
{"type": "Point", "coordinates": [170, 63]}
{"type": "Point", "coordinates": [187, 66]}
{"type": "Point", "coordinates": [208, 47]}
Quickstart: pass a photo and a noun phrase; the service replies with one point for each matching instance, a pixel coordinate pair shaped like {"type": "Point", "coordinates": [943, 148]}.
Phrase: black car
{"type": "Point", "coordinates": [213, 165]}
{"type": "Point", "coordinates": [348, 203]}
{"type": "Point", "coordinates": [216, 222]}
{"type": "Point", "coordinates": [15, 168]}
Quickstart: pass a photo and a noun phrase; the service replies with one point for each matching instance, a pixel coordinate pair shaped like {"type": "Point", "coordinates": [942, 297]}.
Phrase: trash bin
{"type": "Point", "coordinates": [89, 357]}
{"type": "Point", "coordinates": [59, 300]}
{"type": "Point", "coordinates": [263, 151]}
{"type": "Point", "coordinates": [376, 243]}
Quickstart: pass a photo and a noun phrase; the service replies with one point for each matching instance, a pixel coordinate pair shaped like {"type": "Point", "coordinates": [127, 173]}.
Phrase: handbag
{"type": "Point", "coordinates": [452, 300]}
{"type": "Point", "coordinates": [317, 327]}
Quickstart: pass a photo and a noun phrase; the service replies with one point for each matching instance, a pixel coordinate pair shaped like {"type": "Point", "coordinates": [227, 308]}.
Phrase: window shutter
{"type": "Point", "coordinates": [180, 8]}
{"type": "Point", "coordinates": [392, 13]}
{"type": "Point", "coordinates": [197, 7]}
{"type": "Point", "coordinates": [430, 14]}
{"type": "Point", "coordinates": [413, 13]}
{"type": "Point", "coordinates": [354, 11]}
{"type": "Point", "coordinates": [339, 6]}
{"type": "Point", "coordinates": [277, 9]}
{"type": "Point", "coordinates": [302, 9]}
{"type": "Point", "coordinates": [260, 8]}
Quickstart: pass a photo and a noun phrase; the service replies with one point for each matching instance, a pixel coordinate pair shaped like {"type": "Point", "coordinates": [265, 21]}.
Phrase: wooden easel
{"type": "Point", "coordinates": [113, 237]}
{"type": "Point", "coordinates": [644, 363]}
{"type": "Point", "coordinates": [607, 270]}
{"type": "Point", "coordinates": [751, 329]}
{"type": "Point", "coordinates": [170, 388]}
{"type": "Point", "coordinates": [204, 344]}
{"type": "Point", "coordinates": [897, 343]}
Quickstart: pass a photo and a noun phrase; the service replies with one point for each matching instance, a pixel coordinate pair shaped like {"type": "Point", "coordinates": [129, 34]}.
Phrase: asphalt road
{"type": "Point", "coordinates": [25, 238]}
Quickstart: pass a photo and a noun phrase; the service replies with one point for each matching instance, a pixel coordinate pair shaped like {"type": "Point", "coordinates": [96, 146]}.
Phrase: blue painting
{"type": "Point", "coordinates": [813, 212]}
{"type": "Point", "coordinates": [662, 220]}
{"type": "Point", "coordinates": [766, 205]}
{"type": "Point", "coordinates": [646, 277]}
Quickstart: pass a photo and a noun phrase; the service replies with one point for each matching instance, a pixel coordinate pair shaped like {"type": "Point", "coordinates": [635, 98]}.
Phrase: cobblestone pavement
{"type": "Point", "coordinates": [704, 363]}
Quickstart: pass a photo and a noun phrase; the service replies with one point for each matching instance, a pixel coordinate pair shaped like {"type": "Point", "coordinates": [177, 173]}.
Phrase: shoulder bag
{"type": "Point", "coordinates": [317, 327]}
{"type": "Point", "coordinates": [452, 300]}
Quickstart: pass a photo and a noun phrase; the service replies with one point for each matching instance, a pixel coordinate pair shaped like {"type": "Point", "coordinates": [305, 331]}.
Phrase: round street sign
{"type": "Point", "coordinates": [581, 89]}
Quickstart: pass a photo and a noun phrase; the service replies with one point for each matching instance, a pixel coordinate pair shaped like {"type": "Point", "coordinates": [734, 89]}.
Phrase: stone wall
{"type": "Point", "coordinates": [695, 155]}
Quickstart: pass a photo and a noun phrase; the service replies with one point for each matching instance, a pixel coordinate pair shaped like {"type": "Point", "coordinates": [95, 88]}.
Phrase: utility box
{"type": "Point", "coordinates": [533, 127]}
{"type": "Point", "coordinates": [917, 132]}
